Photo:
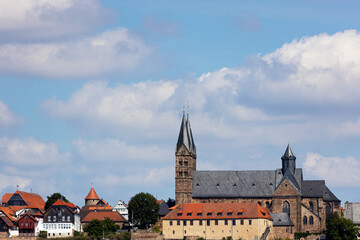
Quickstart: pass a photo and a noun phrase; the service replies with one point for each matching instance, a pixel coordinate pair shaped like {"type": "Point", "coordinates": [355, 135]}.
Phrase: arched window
{"type": "Point", "coordinates": [311, 220]}
{"type": "Point", "coordinates": [286, 207]}
{"type": "Point", "coordinates": [311, 206]}
{"type": "Point", "coordinates": [328, 208]}
{"type": "Point", "coordinates": [305, 220]}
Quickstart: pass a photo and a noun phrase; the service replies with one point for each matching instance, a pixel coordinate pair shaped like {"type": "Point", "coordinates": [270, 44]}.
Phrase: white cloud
{"type": "Point", "coordinates": [343, 172]}
{"type": "Point", "coordinates": [136, 106]}
{"type": "Point", "coordinates": [113, 150]}
{"type": "Point", "coordinates": [24, 20]}
{"type": "Point", "coordinates": [30, 152]}
{"type": "Point", "coordinates": [115, 50]}
{"type": "Point", "coordinates": [13, 181]}
{"type": "Point", "coordinates": [7, 117]}
{"type": "Point", "coordinates": [149, 177]}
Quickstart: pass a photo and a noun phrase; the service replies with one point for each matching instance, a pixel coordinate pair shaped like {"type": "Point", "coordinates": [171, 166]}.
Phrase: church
{"type": "Point", "coordinates": [283, 190]}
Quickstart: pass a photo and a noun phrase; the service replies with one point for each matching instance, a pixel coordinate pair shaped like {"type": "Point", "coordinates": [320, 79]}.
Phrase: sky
{"type": "Point", "coordinates": [92, 92]}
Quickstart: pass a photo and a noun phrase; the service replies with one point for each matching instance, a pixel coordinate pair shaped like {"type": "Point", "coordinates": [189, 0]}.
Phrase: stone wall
{"type": "Point", "coordinates": [144, 235]}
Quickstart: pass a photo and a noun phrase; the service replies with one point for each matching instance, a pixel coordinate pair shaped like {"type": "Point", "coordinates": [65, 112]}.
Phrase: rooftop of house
{"type": "Point", "coordinates": [115, 216]}
{"type": "Point", "coordinates": [218, 211]}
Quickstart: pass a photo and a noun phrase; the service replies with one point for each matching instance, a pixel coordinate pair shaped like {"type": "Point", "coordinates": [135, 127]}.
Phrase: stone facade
{"type": "Point", "coordinates": [302, 200]}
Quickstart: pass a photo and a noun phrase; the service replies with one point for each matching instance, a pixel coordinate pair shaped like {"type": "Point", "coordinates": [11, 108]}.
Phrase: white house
{"type": "Point", "coordinates": [122, 208]}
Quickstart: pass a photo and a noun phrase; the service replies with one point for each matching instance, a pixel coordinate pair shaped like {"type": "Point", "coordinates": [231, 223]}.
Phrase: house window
{"type": "Point", "coordinates": [328, 208]}
{"type": "Point", "coordinates": [267, 204]}
{"type": "Point", "coordinates": [186, 173]}
{"type": "Point", "coordinates": [186, 163]}
{"type": "Point", "coordinates": [179, 214]}
{"type": "Point", "coordinates": [311, 220]}
{"type": "Point", "coordinates": [170, 223]}
{"type": "Point", "coordinates": [250, 222]}
{"type": "Point", "coordinates": [180, 173]}
{"type": "Point", "coordinates": [234, 222]}
{"type": "Point", "coordinates": [54, 218]}
{"type": "Point", "coordinates": [226, 222]}
{"type": "Point", "coordinates": [242, 222]}
{"type": "Point", "coordinates": [305, 220]}
{"type": "Point", "coordinates": [199, 214]}
{"type": "Point", "coordinates": [286, 207]}
{"type": "Point", "coordinates": [184, 223]}
{"type": "Point", "coordinates": [63, 218]}
{"type": "Point", "coordinates": [173, 232]}
{"type": "Point", "coordinates": [68, 218]}
{"type": "Point", "coordinates": [311, 206]}
{"type": "Point", "coordinates": [49, 218]}
{"type": "Point", "coordinates": [216, 222]}
{"type": "Point", "coordinates": [191, 222]}
{"type": "Point", "coordinates": [178, 223]}
{"type": "Point", "coordinates": [208, 222]}
{"type": "Point", "coordinates": [180, 163]}
{"type": "Point", "coordinates": [200, 222]}
{"type": "Point", "coordinates": [219, 213]}
{"type": "Point", "coordinates": [188, 214]}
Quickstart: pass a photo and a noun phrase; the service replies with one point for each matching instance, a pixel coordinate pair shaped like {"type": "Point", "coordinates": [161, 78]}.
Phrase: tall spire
{"type": "Point", "coordinates": [288, 160]}
{"type": "Point", "coordinates": [185, 136]}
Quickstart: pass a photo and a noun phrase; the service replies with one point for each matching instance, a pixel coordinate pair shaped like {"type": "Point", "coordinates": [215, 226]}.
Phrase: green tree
{"type": "Point", "coordinates": [143, 210]}
{"type": "Point", "coordinates": [340, 228]}
{"type": "Point", "coordinates": [96, 227]}
{"type": "Point", "coordinates": [53, 198]}
{"type": "Point", "coordinates": [170, 202]}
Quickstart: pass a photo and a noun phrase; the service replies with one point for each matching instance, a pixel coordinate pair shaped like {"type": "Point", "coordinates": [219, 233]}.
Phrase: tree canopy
{"type": "Point", "coordinates": [53, 198]}
{"type": "Point", "coordinates": [143, 210]}
{"type": "Point", "coordinates": [340, 228]}
{"type": "Point", "coordinates": [170, 202]}
{"type": "Point", "coordinates": [96, 227]}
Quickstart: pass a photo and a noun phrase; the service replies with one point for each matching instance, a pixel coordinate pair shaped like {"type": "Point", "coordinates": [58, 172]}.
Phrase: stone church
{"type": "Point", "coordinates": [305, 202]}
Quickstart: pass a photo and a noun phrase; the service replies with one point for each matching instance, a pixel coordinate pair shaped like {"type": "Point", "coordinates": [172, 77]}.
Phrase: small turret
{"type": "Point", "coordinates": [288, 161]}
{"type": "Point", "coordinates": [185, 136]}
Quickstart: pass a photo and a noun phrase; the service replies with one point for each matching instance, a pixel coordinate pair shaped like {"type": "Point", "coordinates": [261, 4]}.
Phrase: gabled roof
{"type": "Point", "coordinates": [5, 198]}
{"type": "Point", "coordinates": [164, 209]}
{"type": "Point", "coordinates": [33, 200]}
{"type": "Point", "coordinates": [26, 214]}
{"type": "Point", "coordinates": [218, 211]}
{"type": "Point", "coordinates": [60, 202]}
{"type": "Point", "coordinates": [8, 212]}
{"type": "Point", "coordinates": [289, 176]}
{"type": "Point", "coordinates": [92, 195]}
{"type": "Point", "coordinates": [317, 188]}
{"type": "Point", "coordinates": [115, 216]}
{"type": "Point", "coordinates": [185, 136]}
{"type": "Point", "coordinates": [281, 219]}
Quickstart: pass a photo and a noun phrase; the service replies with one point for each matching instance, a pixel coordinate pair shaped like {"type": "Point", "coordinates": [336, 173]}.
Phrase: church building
{"type": "Point", "coordinates": [283, 190]}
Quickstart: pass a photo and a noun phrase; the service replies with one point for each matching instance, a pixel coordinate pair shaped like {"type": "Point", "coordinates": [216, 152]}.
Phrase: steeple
{"type": "Point", "coordinates": [92, 198]}
{"type": "Point", "coordinates": [288, 160]}
{"type": "Point", "coordinates": [185, 136]}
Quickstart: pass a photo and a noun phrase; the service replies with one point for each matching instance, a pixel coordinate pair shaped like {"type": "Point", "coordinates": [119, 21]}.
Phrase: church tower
{"type": "Point", "coordinates": [288, 161]}
{"type": "Point", "coordinates": [185, 162]}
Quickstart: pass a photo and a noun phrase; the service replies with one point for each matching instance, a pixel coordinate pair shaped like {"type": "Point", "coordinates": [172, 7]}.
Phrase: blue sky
{"type": "Point", "coordinates": [93, 92]}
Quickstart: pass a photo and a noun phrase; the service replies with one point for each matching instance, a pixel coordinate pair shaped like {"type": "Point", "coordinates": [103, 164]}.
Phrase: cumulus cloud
{"type": "Point", "coordinates": [7, 117]}
{"type": "Point", "coordinates": [13, 181]}
{"type": "Point", "coordinates": [113, 150]}
{"type": "Point", "coordinates": [30, 152]}
{"type": "Point", "coordinates": [337, 171]}
{"type": "Point", "coordinates": [140, 106]}
{"type": "Point", "coordinates": [115, 50]}
{"type": "Point", "coordinates": [153, 177]}
{"type": "Point", "coordinates": [315, 75]}
{"type": "Point", "coordinates": [38, 20]}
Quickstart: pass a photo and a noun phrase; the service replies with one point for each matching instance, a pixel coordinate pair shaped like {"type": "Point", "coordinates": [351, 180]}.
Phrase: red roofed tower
{"type": "Point", "coordinates": [92, 198]}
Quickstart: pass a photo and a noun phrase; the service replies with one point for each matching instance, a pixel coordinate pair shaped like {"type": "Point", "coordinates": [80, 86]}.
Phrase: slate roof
{"type": "Point", "coordinates": [233, 184]}
{"type": "Point", "coordinates": [164, 209]}
{"type": "Point", "coordinates": [317, 188]}
{"type": "Point", "coordinates": [289, 176]}
{"type": "Point", "coordinates": [288, 153]}
{"type": "Point", "coordinates": [218, 211]}
{"type": "Point", "coordinates": [281, 219]}
{"type": "Point", "coordinates": [185, 136]}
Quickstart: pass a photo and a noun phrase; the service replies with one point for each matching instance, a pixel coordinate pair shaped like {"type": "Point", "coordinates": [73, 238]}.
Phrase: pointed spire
{"type": "Point", "coordinates": [185, 135]}
{"type": "Point", "coordinates": [92, 195]}
{"type": "Point", "coordinates": [288, 153]}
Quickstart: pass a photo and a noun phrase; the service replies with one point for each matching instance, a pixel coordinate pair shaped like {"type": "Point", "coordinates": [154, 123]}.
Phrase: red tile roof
{"type": "Point", "coordinates": [115, 216]}
{"type": "Point", "coordinates": [5, 198]}
{"type": "Point", "coordinates": [60, 202]}
{"type": "Point", "coordinates": [218, 211]}
{"type": "Point", "coordinates": [92, 195]}
{"type": "Point", "coordinates": [33, 200]}
{"type": "Point", "coordinates": [8, 212]}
